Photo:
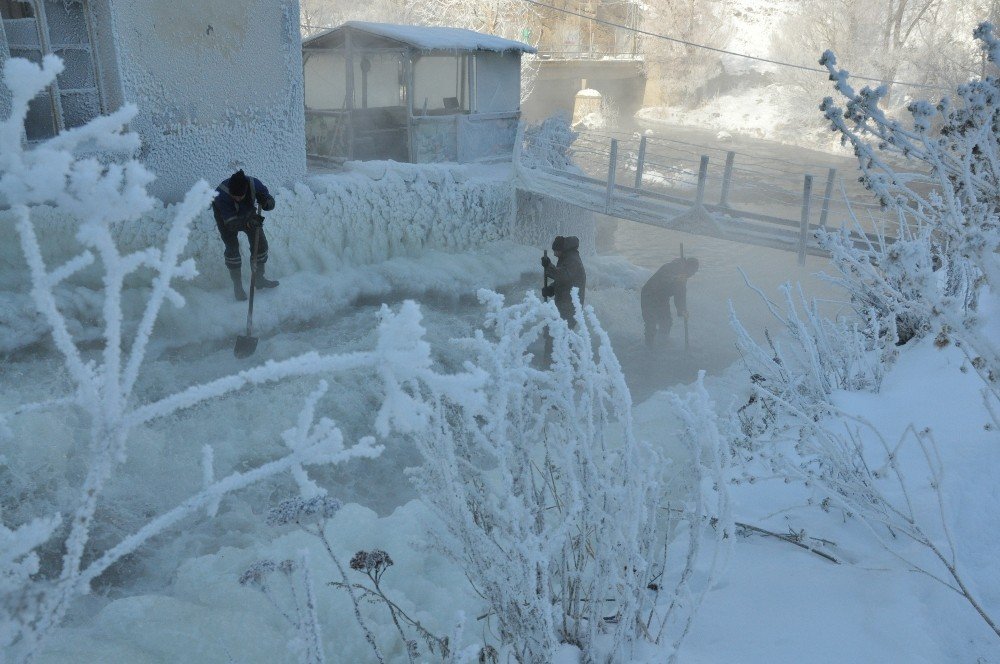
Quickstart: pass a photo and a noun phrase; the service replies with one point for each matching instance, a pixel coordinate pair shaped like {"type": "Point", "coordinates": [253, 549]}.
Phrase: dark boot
{"type": "Point", "coordinates": [237, 277]}
{"type": "Point", "coordinates": [262, 281]}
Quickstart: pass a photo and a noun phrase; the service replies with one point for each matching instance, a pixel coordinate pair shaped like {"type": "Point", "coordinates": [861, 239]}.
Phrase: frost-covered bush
{"type": "Point", "coordinates": [35, 594]}
{"type": "Point", "coordinates": [294, 598]}
{"type": "Point", "coordinates": [923, 274]}
{"type": "Point", "coordinates": [548, 144]}
{"type": "Point", "coordinates": [811, 357]}
{"type": "Point", "coordinates": [940, 177]}
{"type": "Point", "coordinates": [553, 509]}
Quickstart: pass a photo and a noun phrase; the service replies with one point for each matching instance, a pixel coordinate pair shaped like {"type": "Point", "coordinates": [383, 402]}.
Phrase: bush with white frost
{"type": "Point", "coordinates": [923, 274]}
{"type": "Point", "coordinates": [555, 512]}
{"type": "Point", "coordinates": [34, 598]}
{"type": "Point", "coordinates": [947, 234]}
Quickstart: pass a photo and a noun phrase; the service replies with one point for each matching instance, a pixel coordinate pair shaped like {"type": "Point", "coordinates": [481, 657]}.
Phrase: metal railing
{"type": "Point", "coordinates": [636, 173]}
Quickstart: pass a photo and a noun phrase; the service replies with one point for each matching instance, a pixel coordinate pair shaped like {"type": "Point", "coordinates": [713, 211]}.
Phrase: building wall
{"type": "Point", "coordinates": [219, 87]}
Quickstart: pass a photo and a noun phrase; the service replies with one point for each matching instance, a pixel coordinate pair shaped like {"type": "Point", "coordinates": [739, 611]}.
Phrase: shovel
{"type": "Point", "coordinates": [246, 344]}
{"type": "Point", "coordinates": [687, 345]}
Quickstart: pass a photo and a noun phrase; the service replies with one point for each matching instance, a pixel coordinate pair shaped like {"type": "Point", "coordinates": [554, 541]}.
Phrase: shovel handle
{"type": "Point", "coordinates": [545, 278]}
{"type": "Point", "coordinates": [253, 276]}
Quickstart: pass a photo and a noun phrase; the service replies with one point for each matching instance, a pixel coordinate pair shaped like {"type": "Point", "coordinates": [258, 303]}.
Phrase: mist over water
{"type": "Point", "coordinates": [709, 293]}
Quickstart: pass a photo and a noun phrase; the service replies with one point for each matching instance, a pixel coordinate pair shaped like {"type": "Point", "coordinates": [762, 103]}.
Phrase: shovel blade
{"type": "Point", "coordinates": [245, 346]}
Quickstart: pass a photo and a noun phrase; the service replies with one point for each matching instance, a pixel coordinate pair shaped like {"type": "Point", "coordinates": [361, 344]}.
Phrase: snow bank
{"type": "Point", "coordinates": [773, 113]}
{"type": "Point", "coordinates": [780, 602]}
{"type": "Point", "coordinates": [776, 602]}
{"type": "Point", "coordinates": [224, 621]}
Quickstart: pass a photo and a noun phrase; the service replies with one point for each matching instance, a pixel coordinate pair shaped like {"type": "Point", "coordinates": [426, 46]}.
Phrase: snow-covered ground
{"type": "Point", "coordinates": [343, 245]}
{"type": "Point", "coordinates": [764, 608]}
{"type": "Point", "coordinates": [775, 601]}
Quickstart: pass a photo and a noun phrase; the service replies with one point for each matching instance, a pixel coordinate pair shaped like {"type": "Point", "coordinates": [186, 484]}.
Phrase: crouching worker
{"type": "Point", "coordinates": [566, 274]}
{"type": "Point", "coordinates": [235, 210]}
{"type": "Point", "coordinates": [670, 281]}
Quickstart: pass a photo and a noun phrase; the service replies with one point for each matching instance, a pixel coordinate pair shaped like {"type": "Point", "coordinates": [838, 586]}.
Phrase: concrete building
{"type": "Point", "coordinates": [217, 83]}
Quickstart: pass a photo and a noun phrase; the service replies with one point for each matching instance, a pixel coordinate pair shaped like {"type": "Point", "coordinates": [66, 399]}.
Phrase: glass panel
{"type": "Point", "coordinates": [67, 23]}
{"type": "Point", "coordinates": [16, 9]}
{"type": "Point", "coordinates": [40, 122]}
{"type": "Point", "coordinates": [326, 135]}
{"type": "Point", "coordinates": [435, 140]}
{"type": "Point", "coordinates": [80, 108]}
{"type": "Point", "coordinates": [437, 86]}
{"type": "Point", "coordinates": [325, 80]}
{"type": "Point", "coordinates": [78, 72]}
{"type": "Point", "coordinates": [378, 80]}
{"type": "Point", "coordinates": [498, 81]}
{"type": "Point", "coordinates": [21, 31]}
{"type": "Point", "coordinates": [28, 54]}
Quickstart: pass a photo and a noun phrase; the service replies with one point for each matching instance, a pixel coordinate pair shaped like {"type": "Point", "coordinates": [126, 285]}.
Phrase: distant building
{"type": "Point", "coordinates": [218, 83]}
{"type": "Point", "coordinates": [411, 93]}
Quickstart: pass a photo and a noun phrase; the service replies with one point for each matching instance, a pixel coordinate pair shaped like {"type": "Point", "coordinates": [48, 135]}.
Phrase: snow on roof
{"type": "Point", "coordinates": [434, 38]}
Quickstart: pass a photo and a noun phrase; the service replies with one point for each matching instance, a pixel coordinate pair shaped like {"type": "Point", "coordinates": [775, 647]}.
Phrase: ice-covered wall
{"type": "Point", "coordinates": [218, 84]}
{"type": "Point", "coordinates": [326, 225]}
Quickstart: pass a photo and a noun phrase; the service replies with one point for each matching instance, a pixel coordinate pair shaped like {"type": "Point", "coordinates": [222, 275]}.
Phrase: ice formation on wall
{"type": "Point", "coordinates": [218, 85]}
{"type": "Point", "coordinates": [374, 212]}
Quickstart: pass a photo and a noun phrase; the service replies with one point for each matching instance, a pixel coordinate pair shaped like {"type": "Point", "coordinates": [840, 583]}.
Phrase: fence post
{"type": "Point", "coordinates": [726, 179]}
{"type": "Point", "coordinates": [830, 177]}
{"type": "Point", "coordinates": [804, 223]}
{"type": "Point", "coordinates": [642, 162]}
{"type": "Point", "coordinates": [612, 169]}
{"type": "Point", "coordinates": [702, 179]}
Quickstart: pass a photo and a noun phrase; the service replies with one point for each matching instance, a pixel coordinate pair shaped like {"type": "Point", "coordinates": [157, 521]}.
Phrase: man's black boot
{"type": "Point", "coordinates": [237, 277]}
{"type": "Point", "coordinates": [263, 281]}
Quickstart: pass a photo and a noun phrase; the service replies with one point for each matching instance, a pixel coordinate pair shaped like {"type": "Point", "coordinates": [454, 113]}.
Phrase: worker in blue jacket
{"type": "Point", "coordinates": [235, 210]}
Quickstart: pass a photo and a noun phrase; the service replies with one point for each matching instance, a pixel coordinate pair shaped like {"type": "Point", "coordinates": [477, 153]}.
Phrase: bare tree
{"type": "Point", "coordinates": [679, 69]}
{"type": "Point", "coordinates": [511, 19]}
{"type": "Point", "coordinates": [318, 15]}
{"type": "Point", "coordinates": [925, 41]}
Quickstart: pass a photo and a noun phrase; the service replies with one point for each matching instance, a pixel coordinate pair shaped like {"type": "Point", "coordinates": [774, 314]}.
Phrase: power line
{"type": "Point", "coordinates": [722, 50]}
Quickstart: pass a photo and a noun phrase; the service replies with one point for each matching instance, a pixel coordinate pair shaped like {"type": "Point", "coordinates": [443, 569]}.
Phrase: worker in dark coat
{"type": "Point", "coordinates": [567, 273]}
{"type": "Point", "coordinates": [670, 281]}
{"type": "Point", "coordinates": [235, 211]}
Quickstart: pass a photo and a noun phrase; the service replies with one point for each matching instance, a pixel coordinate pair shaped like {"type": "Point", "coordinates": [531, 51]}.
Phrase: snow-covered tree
{"type": "Point", "coordinates": [920, 41]}
{"type": "Point", "coordinates": [318, 15]}
{"type": "Point", "coordinates": [677, 69]}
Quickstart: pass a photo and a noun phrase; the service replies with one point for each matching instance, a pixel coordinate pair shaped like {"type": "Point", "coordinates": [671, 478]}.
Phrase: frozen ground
{"type": "Point", "coordinates": [775, 602]}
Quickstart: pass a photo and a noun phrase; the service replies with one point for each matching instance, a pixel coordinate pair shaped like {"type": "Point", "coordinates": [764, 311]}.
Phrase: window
{"type": "Point", "coordinates": [33, 28]}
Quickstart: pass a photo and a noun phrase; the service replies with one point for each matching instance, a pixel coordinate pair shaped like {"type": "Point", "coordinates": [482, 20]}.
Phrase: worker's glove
{"type": "Point", "coordinates": [268, 204]}
{"type": "Point", "coordinates": [255, 221]}
{"type": "Point", "coordinates": [546, 261]}
{"type": "Point", "coordinates": [548, 291]}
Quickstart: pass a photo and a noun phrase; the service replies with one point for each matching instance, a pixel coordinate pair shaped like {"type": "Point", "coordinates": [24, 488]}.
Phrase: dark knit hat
{"type": "Point", "coordinates": [691, 264]}
{"type": "Point", "coordinates": [557, 244]}
{"type": "Point", "coordinates": [238, 183]}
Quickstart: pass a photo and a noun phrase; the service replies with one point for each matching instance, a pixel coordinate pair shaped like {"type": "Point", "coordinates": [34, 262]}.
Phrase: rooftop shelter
{"type": "Point", "coordinates": [411, 93]}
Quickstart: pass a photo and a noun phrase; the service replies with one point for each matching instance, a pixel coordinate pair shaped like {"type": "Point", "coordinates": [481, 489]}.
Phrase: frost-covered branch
{"type": "Point", "coordinates": [948, 244]}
